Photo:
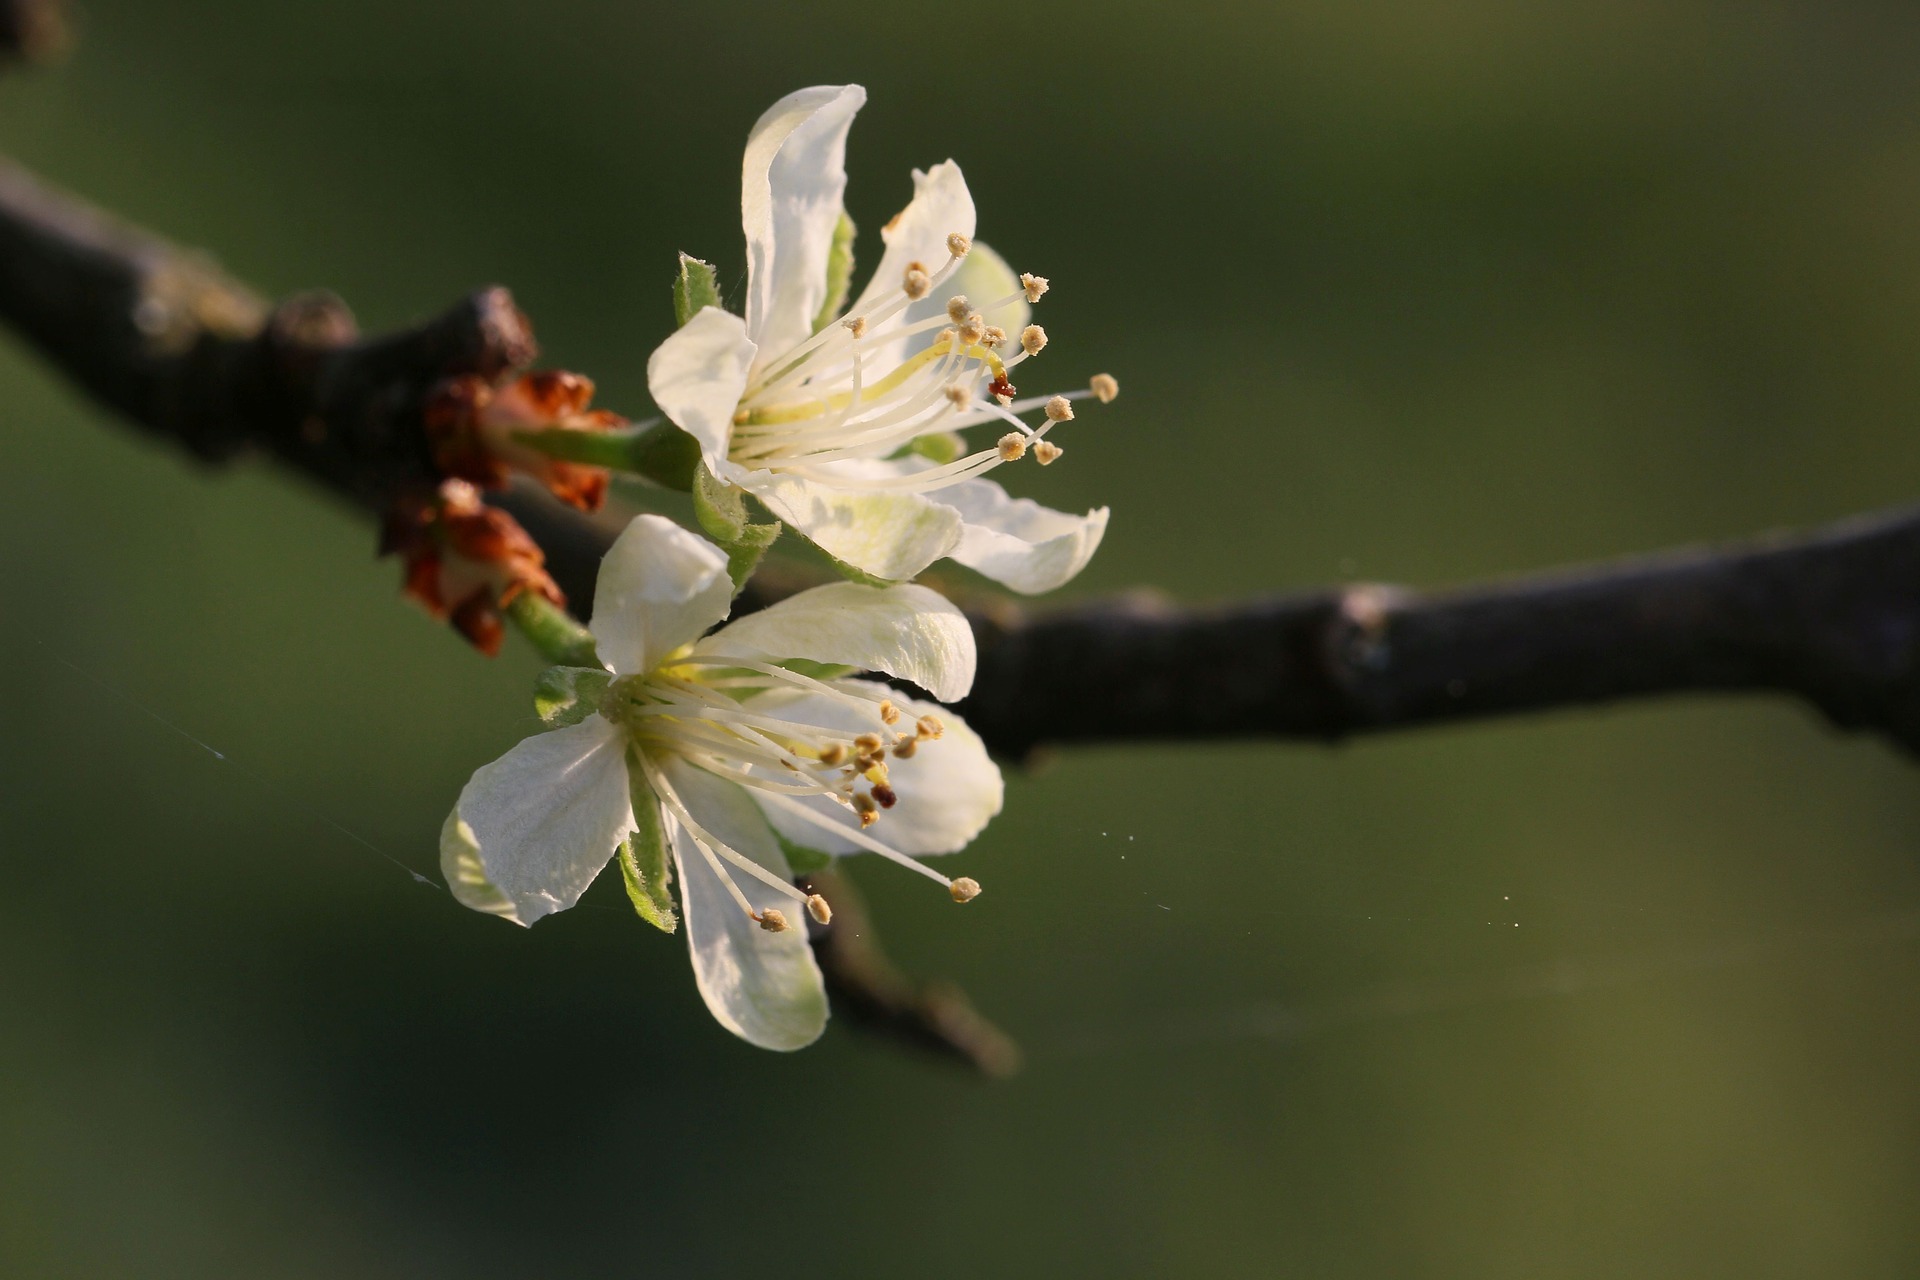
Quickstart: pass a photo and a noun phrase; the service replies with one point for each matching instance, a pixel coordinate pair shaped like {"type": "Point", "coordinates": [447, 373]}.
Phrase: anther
{"type": "Point", "coordinates": [1104, 387]}
{"type": "Point", "coordinates": [863, 804]}
{"type": "Point", "coordinates": [958, 245]}
{"type": "Point", "coordinates": [1059, 409]}
{"type": "Point", "coordinates": [916, 283]}
{"type": "Point", "coordinates": [817, 908]}
{"type": "Point", "coordinates": [973, 328]}
{"type": "Point", "coordinates": [930, 726]}
{"type": "Point", "coordinates": [957, 307]}
{"type": "Point", "coordinates": [965, 889]}
{"type": "Point", "coordinates": [1032, 339]}
{"type": "Point", "coordinates": [774, 920]}
{"type": "Point", "coordinates": [867, 743]}
{"type": "Point", "coordinates": [995, 336]}
{"type": "Point", "coordinates": [1034, 285]}
{"type": "Point", "coordinates": [904, 749]}
{"type": "Point", "coordinates": [1012, 447]}
{"type": "Point", "coordinates": [833, 755]}
{"type": "Point", "coordinates": [858, 327]}
{"type": "Point", "coordinates": [889, 714]}
{"type": "Point", "coordinates": [960, 394]}
{"type": "Point", "coordinates": [1046, 451]}
{"type": "Point", "coordinates": [886, 796]}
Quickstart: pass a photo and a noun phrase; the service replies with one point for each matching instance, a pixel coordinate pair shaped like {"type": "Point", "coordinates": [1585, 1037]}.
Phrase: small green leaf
{"type": "Point", "coordinates": [722, 512]}
{"type": "Point", "coordinates": [802, 860]}
{"type": "Point", "coordinates": [939, 446]}
{"type": "Point", "coordinates": [695, 287]}
{"type": "Point", "coordinates": [839, 273]}
{"type": "Point", "coordinates": [644, 862]}
{"type": "Point", "coordinates": [568, 695]}
{"type": "Point", "coordinates": [553, 631]}
{"type": "Point", "coordinates": [661, 452]}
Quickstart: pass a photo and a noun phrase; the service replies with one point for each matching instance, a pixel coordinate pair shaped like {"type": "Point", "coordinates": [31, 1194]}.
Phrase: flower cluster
{"type": "Point", "coordinates": [723, 760]}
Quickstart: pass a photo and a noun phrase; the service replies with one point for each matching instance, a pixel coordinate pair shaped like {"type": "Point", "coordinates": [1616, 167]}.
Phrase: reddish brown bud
{"type": "Point", "coordinates": [455, 548]}
{"type": "Point", "coordinates": [470, 425]}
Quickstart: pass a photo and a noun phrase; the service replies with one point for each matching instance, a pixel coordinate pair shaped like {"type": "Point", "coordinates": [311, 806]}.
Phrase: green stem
{"type": "Point", "coordinates": [662, 452]}
{"type": "Point", "coordinates": [553, 631]}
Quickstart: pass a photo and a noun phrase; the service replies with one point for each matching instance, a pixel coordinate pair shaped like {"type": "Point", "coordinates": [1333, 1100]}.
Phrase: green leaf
{"type": "Point", "coordinates": [553, 631]}
{"type": "Point", "coordinates": [568, 695]}
{"type": "Point", "coordinates": [695, 287]}
{"type": "Point", "coordinates": [661, 452]}
{"type": "Point", "coordinates": [644, 862]}
{"type": "Point", "coordinates": [839, 273]}
{"type": "Point", "coordinates": [940, 446]}
{"type": "Point", "coordinates": [722, 512]}
{"type": "Point", "coordinates": [803, 861]}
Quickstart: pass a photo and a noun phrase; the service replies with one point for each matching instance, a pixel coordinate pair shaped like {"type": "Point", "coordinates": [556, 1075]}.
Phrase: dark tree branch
{"type": "Point", "coordinates": [31, 30]}
{"type": "Point", "coordinates": [177, 347]}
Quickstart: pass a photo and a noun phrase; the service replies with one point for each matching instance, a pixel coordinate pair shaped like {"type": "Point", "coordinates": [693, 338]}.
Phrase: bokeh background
{"type": "Point", "coordinates": [1413, 292]}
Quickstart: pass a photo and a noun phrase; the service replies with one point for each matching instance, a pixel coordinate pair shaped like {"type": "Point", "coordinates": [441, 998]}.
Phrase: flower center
{"type": "Point", "coordinates": [862, 389]}
{"type": "Point", "coordinates": [702, 711]}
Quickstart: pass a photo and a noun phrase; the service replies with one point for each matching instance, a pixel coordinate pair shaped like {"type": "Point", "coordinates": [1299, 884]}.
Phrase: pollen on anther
{"type": "Point", "coordinates": [995, 336]}
{"type": "Point", "coordinates": [960, 394]}
{"type": "Point", "coordinates": [1033, 339]}
{"type": "Point", "coordinates": [1060, 409]}
{"type": "Point", "coordinates": [973, 329]}
{"type": "Point", "coordinates": [856, 326]}
{"type": "Point", "coordinates": [957, 307]}
{"type": "Point", "coordinates": [958, 245]}
{"type": "Point", "coordinates": [867, 743]}
{"type": "Point", "coordinates": [965, 889]}
{"type": "Point", "coordinates": [904, 749]}
{"type": "Point", "coordinates": [774, 920]}
{"type": "Point", "coordinates": [930, 726]}
{"type": "Point", "coordinates": [1046, 451]}
{"type": "Point", "coordinates": [889, 714]}
{"type": "Point", "coordinates": [1034, 286]}
{"type": "Point", "coordinates": [833, 755]}
{"type": "Point", "coordinates": [917, 283]}
{"type": "Point", "coordinates": [1104, 387]}
{"type": "Point", "coordinates": [1012, 448]}
{"type": "Point", "coordinates": [817, 908]}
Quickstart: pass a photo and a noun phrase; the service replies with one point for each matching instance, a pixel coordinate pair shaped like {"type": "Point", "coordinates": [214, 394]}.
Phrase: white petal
{"type": "Point", "coordinates": [698, 375]}
{"type": "Point", "coordinates": [791, 184]}
{"type": "Point", "coordinates": [904, 631]}
{"type": "Point", "coordinates": [941, 205]}
{"type": "Point", "coordinates": [890, 535]}
{"type": "Point", "coordinates": [1018, 542]}
{"type": "Point", "coordinates": [948, 791]}
{"type": "Point", "coordinates": [764, 987]}
{"type": "Point", "coordinates": [659, 587]}
{"type": "Point", "coordinates": [532, 829]}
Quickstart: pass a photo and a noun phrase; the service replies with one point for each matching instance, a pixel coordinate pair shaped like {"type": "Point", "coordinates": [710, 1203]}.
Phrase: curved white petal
{"type": "Point", "coordinates": [941, 205]}
{"type": "Point", "coordinates": [764, 987]}
{"type": "Point", "coordinates": [532, 829]}
{"type": "Point", "coordinates": [888, 534]}
{"type": "Point", "coordinates": [906, 631]}
{"type": "Point", "coordinates": [791, 184]}
{"type": "Point", "coordinates": [948, 791]}
{"type": "Point", "coordinates": [1018, 542]}
{"type": "Point", "coordinates": [698, 375]}
{"type": "Point", "coordinates": [659, 587]}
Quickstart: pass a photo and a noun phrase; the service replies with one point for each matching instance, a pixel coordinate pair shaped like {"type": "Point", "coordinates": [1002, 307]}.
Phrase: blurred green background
{"type": "Point", "coordinates": [1410, 292]}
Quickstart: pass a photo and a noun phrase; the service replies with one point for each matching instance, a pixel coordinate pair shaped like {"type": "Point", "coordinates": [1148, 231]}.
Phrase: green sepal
{"type": "Point", "coordinates": [940, 447]}
{"type": "Point", "coordinates": [839, 273]}
{"type": "Point", "coordinates": [644, 861]}
{"type": "Point", "coordinates": [553, 631]}
{"type": "Point", "coordinates": [568, 695]}
{"type": "Point", "coordinates": [695, 287]}
{"type": "Point", "coordinates": [801, 860]}
{"type": "Point", "coordinates": [661, 453]}
{"type": "Point", "coordinates": [722, 512]}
